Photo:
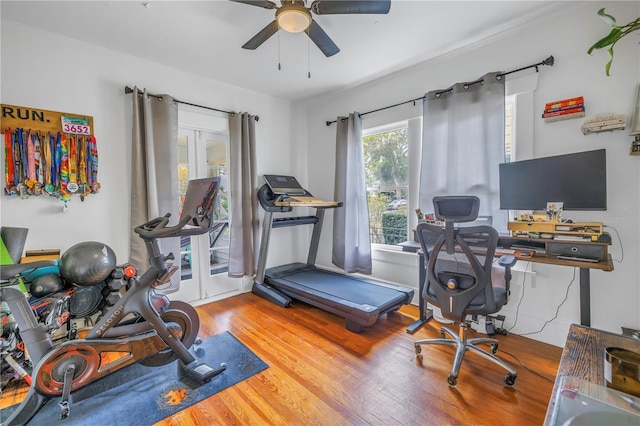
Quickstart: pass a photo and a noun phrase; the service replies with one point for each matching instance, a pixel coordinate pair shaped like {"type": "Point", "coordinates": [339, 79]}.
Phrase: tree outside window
{"type": "Point", "coordinates": [387, 179]}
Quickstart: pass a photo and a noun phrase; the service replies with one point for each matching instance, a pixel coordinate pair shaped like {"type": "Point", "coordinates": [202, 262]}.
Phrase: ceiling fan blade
{"type": "Point", "coordinates": [321, 39]}
{"type": "Point", "coordinates": [333, 7]}
{"type": "Point", "coordinates": [260, 3]}
{"type": "Point", "coordinates": [262, 36]}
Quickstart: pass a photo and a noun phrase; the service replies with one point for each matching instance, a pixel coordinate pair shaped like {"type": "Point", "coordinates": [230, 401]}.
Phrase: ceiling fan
{"type": "Point", "coordinates": [293, 16]}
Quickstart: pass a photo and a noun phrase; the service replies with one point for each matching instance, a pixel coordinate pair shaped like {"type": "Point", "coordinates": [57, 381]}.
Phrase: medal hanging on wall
{"type": "Point", "coordinates": [72, 185]}
{"type": "Point", "coordinates": [57, 163]}
{"type": "Point", "coordinates": [9, 166]}
{"type": "Point", "coordinates": [37, 175]}
{"type": "Point", "coordinates": [46, 165]}
{"type": "Point", "coordinates": [93, 164]}
{"type": "Point", "coordinates": [64, 169]}
{"type": "Point", "coordinates": [23, 161]}
{"type": "Point", "coordinates": [31, 165]}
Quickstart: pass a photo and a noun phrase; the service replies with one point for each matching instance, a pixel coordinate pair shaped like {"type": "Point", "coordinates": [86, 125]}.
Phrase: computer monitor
{"type": "Point", "coordinates": [578, 180]}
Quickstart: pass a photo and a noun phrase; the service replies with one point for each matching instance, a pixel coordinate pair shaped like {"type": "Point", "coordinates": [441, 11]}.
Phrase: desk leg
{"type": "Point", "coordinates": [585, 297]}
{"type": "Point", "coordinates": [425, 314]}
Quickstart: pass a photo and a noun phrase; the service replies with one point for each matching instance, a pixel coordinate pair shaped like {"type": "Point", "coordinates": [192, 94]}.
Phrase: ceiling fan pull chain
{"type": "Point", "coordinates": [308, 59]}
{"type": "Point", "coordinates": [279, 67]}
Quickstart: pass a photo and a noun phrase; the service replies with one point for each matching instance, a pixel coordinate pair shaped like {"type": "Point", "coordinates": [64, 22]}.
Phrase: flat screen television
{"type": "Point", "coordinates": [578, 180]}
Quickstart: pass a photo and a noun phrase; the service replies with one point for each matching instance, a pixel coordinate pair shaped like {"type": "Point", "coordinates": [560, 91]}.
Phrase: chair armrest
{"type": "Point", "coordinates": [507, 261]}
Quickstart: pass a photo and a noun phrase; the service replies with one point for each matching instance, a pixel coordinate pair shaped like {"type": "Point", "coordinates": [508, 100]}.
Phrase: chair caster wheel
{"type": "Point", "coordinates": [494, 348]}
{"type": "Point", "coordinates": [452, 380]}
{"type": "Point", "coordinates": [510, 379]}
{"type": "Point", "coordinates": [418, 349]}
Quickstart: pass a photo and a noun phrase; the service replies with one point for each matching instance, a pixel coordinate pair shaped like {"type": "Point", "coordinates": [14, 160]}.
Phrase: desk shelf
{"type": "Point", "coordinates": [586, 229]}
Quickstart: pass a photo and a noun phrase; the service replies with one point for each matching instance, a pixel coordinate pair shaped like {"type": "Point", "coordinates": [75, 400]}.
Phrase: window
{"type": "Point", "coordinates": [386, 153]}
{"type": "Point", "coordinates": [508, 128]}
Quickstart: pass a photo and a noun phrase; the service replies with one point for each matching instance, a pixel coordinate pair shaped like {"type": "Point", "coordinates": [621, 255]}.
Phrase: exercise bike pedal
{"type": "Point", "coordinates": [200, 371]}
{"type": "Point", "coordinates": [66, 391]}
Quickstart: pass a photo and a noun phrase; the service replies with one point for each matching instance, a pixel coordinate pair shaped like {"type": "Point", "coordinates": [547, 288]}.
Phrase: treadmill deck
{"type": "Point", "coordinates": [361, 301]}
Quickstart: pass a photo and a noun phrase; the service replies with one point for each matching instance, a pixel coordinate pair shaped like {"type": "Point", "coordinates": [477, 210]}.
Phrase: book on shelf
{"type": "Point", "coordinates": [564, 102]}
{"type": "Point", "coordinates": [564, 112]}
{"type": "Point", "coordinates": [564, 117]}
{"type": "Point", "coordinates": [564, 108]}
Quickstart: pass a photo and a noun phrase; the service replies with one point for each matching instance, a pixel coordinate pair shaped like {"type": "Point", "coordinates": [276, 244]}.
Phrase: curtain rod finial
{"type": "Point", "coordinates": [328, 123]}
{"type": "Point", "coordinates": [549, 61]}
{"type": "Point", "coordinates": [127, 90]}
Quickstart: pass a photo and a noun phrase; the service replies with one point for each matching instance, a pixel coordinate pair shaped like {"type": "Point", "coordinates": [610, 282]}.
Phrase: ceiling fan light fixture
{"type": "Point", "coordinates": [293, 19]}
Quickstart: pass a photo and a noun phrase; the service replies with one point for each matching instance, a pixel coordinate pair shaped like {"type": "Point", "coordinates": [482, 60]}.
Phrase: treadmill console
{"type": "Point", "coordinates": [284, 185]}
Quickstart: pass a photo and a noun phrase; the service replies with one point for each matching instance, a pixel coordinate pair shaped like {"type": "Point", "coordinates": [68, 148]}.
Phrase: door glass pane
{"type": "Point", "coordinates": [219, 248]}
{"type": "Point", "coordinates": [183, 180]}
{"type": "Point", "coordinates": [217, 154]}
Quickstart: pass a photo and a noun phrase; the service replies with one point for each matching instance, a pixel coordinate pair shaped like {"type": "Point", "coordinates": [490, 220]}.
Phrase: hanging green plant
{"type": "Point", "coordinates": [617, 32]}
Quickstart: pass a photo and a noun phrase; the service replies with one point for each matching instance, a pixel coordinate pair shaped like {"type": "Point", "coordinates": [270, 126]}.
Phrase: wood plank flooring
{"type": "Point", "coordinates": [321, 374]}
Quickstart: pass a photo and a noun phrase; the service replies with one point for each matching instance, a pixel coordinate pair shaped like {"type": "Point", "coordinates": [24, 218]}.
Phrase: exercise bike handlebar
{"type": "Point", "coordinates": [157, 228]}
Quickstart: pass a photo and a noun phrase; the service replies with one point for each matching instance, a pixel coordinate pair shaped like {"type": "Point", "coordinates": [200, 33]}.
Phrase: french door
{"type": "Point", "coordinates": [204, 258]}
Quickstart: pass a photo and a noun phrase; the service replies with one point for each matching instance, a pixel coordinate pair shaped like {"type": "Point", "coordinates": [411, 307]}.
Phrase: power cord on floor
{"type": "Point", "coordinates": [526, 367]}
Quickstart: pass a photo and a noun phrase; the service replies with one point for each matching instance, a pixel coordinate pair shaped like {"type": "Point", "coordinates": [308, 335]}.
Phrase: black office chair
{"type": "Point", "coordinates": [459, 262]}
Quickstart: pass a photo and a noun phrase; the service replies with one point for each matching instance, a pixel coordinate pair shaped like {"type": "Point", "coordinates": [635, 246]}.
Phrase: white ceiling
{"type": "Point", "coordinates": [205, 37]}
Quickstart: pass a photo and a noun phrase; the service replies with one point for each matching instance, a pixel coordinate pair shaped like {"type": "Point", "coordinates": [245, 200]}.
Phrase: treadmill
{"type": "Point", "coordinates": [360, 301]}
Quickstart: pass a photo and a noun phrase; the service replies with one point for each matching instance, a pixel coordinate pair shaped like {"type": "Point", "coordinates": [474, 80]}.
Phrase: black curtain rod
{"type": "Point", "coordinates": [128, 90]}
{"type": "Point", "coordinates": [549, 61]}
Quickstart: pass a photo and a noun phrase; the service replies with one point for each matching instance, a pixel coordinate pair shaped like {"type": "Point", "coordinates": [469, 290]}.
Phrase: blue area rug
{"type": "Point", "coordinates": [139, 395]}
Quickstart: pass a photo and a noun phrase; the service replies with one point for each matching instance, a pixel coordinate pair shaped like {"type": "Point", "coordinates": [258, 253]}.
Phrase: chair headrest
{"type": "Point", "coordinates": [456, 208]}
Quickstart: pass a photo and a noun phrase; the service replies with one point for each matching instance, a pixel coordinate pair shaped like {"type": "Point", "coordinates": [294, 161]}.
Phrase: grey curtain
{"type": "Point", "coordinates": [154, 172]}
{"type": "Point", "coordinates": [351, 241]}
{"type": "Point", "coordinates": [244, 219]}
{"type": "Point", "coordinates": [463, 143]}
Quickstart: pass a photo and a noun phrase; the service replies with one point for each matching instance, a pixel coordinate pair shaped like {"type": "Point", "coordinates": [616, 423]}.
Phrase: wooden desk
{"type": "Point", "coordinates": [583, 356]}
{"type": "Point", "coordinates": [585, 277]}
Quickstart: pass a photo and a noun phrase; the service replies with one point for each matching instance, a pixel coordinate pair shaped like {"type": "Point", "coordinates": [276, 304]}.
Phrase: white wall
{"type": "Point", "coordinates": [38, 72]}
{"type": "Point", "coordinates": [567, 36]}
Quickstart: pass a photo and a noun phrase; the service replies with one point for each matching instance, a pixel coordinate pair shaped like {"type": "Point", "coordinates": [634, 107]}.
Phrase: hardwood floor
{"type": "Point", "coordinates": [320, 373]}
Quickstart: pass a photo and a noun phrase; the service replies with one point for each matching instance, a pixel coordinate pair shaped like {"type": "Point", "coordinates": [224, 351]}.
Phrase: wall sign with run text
{"type": "Point", "coordinates": [48, 153]}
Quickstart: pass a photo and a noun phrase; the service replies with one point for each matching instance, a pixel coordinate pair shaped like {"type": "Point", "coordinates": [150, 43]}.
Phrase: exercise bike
{"type": "Point", "coordinates": [142, 326]}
